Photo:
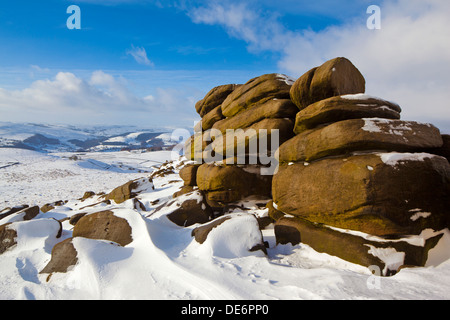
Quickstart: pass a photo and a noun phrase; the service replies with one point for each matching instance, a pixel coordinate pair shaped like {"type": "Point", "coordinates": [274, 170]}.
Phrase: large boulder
{"type": "Point", "coordinates": [104, 225]}
{"type": "Point", "coordinates": [242, 142]}
{"type": "Point", "coordinates": [379, 194]}
{"type": "Point", "coordinates": [334, 78]}
{"type": "Point", "coordinates": [232, 182]}
{"type": "Point", "coordinates": [214, 98]}
{"type": "Point", "coordinates": [211, 118]}
{"type": "Point", "coordinates": [256, 91]}
{"type": "Point", "coordinates": [388, 256]}
{"type": "Point", "coordinates": [274, 108]}
{"type": "Point", "coordinates": [130, 190]}
{"type": "Point", "coordinates": [189, 174]}
{"type": "Point", "coordinates": [343, 108]}
{"type": "Point", "coordinates": [360, 135]}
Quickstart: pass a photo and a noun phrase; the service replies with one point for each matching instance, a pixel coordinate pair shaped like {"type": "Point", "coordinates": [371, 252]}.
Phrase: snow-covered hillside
{"type": "Point", "coordinates": [60, 138]}
{"type": "Point", "coordinates": [164, 261]}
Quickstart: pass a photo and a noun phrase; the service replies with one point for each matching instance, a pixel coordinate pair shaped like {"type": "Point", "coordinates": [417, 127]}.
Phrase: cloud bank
{"type": "Point", "coordinates": [101, 99]}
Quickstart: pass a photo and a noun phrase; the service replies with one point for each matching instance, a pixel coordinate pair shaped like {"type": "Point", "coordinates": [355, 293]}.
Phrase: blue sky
{"type": "Point", "coordinates": [147, 62]}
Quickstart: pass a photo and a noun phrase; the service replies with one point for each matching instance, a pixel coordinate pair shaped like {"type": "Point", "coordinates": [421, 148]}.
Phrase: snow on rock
{"type": "Point", "coordinates": [233, 238]}
{"type": "Point", "coordinates": [359, 96]}
{"type": "Point", "coordinates": [288, 80]}
{"type": "Point", "coordinates": [392, 259]}
{"type": "Point", "coordinates": [393, 158]}
{"type": "Point", "coordinates": [372, 125]}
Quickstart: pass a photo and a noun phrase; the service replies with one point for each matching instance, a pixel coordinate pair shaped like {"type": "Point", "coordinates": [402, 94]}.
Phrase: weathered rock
{"type": "Point", "coordinates": [196, 144]}
{"type": "Point", "coordinates": [343, 108]}
{"type": "Point", "coordinates": [221, 198]}
{"type": "Point", "coordinates": [274, 108]}
{"type": "Point", "coordinates": [87, 195]}
{"type": "Point", "coordinates": [241, 142]}
{"type": "Point", "coordinates": [201, 233]}
{"type": "Point", "coordinates": [380, 194]}
{"type": "Point", "coordinates": [334, 78]}
{"type": "Point", "coordinates": [214, 98]}
{"type": "Point", "coordinates": [274, 213]}
{"type": "Point", "coordinates": [388, 256]}
{"type": "Point", "coordinates": [30, 213]}
{"type": "Point", "coordinates": [352, 135]}
{"type": "Point", "coordinates": [183, 190]}
{"type": "Point", "coordinates": [7, 237]}
{"type": "Point", "coordinates": [25, 214]}
{"type": "Point", "coordinates": [50, 206]}
{"type": "Point", "coordinates": [9, 211]}
{"type": "Point", "coordinates": [64, 255]}
{"type": "Point", "coordinates": [76, 217]}
{"type": "Point", "coordinates": [164, 170]}
{"type": "Point", "coordinates": [239, 181]}
{"type": "Point", "coordinates": [211, 118]}
{"type": "Point", "coordinates": [104, 225]}
{"type": "Point", "coordinates": [256, 90]}
{"type": "Point", "coordinates": [130, 190]}
{"type": "Point", "coordinates": [189, 174]}
{"type": "Point", "coordinates": [192, 209]}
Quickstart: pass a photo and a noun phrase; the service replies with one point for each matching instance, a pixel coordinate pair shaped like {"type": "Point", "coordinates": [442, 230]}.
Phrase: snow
{"type": "Point", "coordinates": [419, 214]}
{"type": "Point", "coordinates": [164, 261]}
{"type": "Point", "coordinates": [372, 125]}
{"type": "Point", "coordinates": [393, 158]}
{"type": "Point", "coordinates": [389, 256]}
{"type": "Point", "coordinates": [359, 96]}
{"type": "Point", "coordinates": [43, 178]}
{"type": "Point", "coordinates": [288, 80]}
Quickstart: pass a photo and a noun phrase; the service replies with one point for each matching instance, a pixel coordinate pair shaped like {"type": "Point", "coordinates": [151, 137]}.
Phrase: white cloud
{"type": "Point", "coordinates": [407, 61]}
{"type": "Point", "coordinates": [260, 30]}
{"type": "Point", "coordinates": [140, 55]}
{"type": "Point", "coordinates": [101, 99]}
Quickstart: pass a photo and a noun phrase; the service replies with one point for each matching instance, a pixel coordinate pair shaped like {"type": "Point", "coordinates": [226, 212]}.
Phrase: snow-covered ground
{"type": "Point", "coordinates": [164, 261]}
{"type": "Point", "coordinates": [34, 178]}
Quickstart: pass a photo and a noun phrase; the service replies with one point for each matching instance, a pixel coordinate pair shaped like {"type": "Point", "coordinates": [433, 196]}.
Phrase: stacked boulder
{"type": "Point", "coordinates": [354, 171]}
{"type": "Point", "coordinates": [233, 142]}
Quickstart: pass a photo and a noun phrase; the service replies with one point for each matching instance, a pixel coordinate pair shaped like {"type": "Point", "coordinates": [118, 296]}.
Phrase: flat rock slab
{"type": "Point", "coordinates": [348, 136]}
{"type": "Point", "coordinates": [340, 108]}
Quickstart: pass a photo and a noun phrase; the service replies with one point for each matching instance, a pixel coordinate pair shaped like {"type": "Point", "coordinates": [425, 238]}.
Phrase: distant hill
{"type": "Point", "coordinates": [57, 138]}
